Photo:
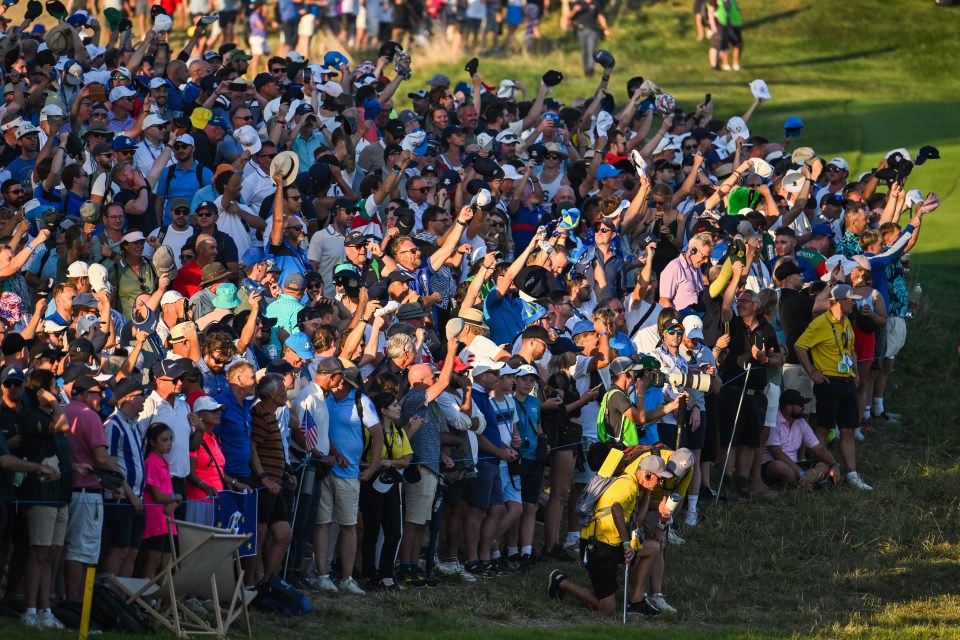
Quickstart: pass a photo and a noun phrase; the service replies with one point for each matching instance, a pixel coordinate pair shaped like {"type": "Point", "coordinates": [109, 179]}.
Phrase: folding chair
{"type": "Point", "coordinates": [225, 588]}
{"type": "Point", "coordinates": [194, 567]}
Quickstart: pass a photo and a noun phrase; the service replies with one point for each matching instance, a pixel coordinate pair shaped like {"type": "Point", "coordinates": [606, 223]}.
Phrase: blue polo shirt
{"type": "Point", "coordinates": [289, 258]}
{"type": "Point", "coordinates": [503, 316]}
{"type": "Point", "coordinates": [183, 185]}
{"type": "Point", "coordinates": [481, 398]}
{"type": "Point", "coordinates": [234, 433]}
{"type": "Point", "coordinates": [652, 399]}
{"type": "Point", "coordinates": [346, 430]}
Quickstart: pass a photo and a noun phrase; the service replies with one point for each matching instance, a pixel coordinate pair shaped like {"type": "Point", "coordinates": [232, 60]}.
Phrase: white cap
{"type": "Point", "coordinates": [831, 263]}
{"type": "Point", "coordinates": [170, 297]}
{"type": "Point", "coordinates": [510, 172]}
{"type": "Point", "coordinates": [485, 141]}
{"type": "Point", "coordinates": [158, 83]}
{"type": "Point", "coordinates": [121, 92]}
{"type": "Point", "coordinates": [86, 322]}
{"type": "Point", "coordinates": [133, 236]}
{"type": "Point", "coordinates": [508, 137]}
{"type": "Point", "coordinates": [26, 128]}
{"type": "Point", "coordinates": [839, 163]}
{"type": "Point", "coordinates": [78, 269]}
{"type": "Point", "coordinates": [484, 364]}
{"type": "Point", "coordinates": [667, 143]}
{"type": "Point", "coordinates": [49, 326]}
{"type": "Point", "coordinates": [206, 403]}
{"type": "Point", "coordinates": [50, 110]}
{"type": "Point", "coordinates": [527, 370]}
{"type": "Point", "coordinates": [507, 89]}
{"type": "Point", "coordinates": [792, 181]}
{"type": "Point", "coordinates": [186, 138]}
{"type": "Point", "coordinates": [330, 88]}
{"type": "Point", "coordinates": [152, 120]}
{"type": "Point", "coordinates": [97, 273]}
{"type": "Point", "coordinates": [93, 51]}
{"type": "Point", "coordinates": [248, 138]}
{"type": "Point", "coordinates": [738, 128]}
{"type": "Point", "coordinates": [693, 327]}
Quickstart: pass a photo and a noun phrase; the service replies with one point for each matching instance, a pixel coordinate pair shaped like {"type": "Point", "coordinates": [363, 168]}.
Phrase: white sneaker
{"type": "Point", "coordinates": [350, 586]}
{"type": "Point", "coordinates": [736, 67]}
{"type": "Point", "coordinates": [857, 482]}
{"type": "Point", "coordinates": [727, 67]}
{"type": "Point", "coordinates": [661, 603]}
{"type": "Point", "coordinates": [858, 435]}
{"type": "Point", "coordinates": [574, 544]}
{"type": "Point", "coordinates": [46, 620]}
{"type": "Point", "coordinates": [692, 519]}
{"type": "Point", "coordinates": [454, 568]}
{"type": "Point", "coordinates": [30, 620]}
{"type": "Point", "coordinates": [326, 584]}
{"type": "Point", "coordinates": [673, 538]}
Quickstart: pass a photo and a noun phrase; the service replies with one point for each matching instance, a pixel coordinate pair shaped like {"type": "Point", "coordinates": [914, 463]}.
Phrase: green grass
{"type": "Point", "coordinates": [866, 77]}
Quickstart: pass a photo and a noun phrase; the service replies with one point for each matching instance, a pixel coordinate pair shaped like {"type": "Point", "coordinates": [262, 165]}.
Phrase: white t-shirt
{"type": "Point", "coordinates": [480, 347]}
{"type": "Point", "coordinates": [312, 400]}
{"type": "Point", "coordinates": [633, 315]}
{"type": "Point", "coordinates": [173, 239]}
{"type": "Point", "coordinates": [591, 410]}
{"type": "Point", "coordinates": [232, 225]}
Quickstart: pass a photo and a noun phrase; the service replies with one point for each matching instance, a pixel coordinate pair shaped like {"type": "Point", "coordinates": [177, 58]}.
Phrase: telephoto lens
{"type": "Point", "coordinates": [695, 381]}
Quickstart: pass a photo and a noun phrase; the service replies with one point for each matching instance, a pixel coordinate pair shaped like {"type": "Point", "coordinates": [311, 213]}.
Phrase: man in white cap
{"type": "Point", "coordinates": [180, 180]}
{"type": "Point", "coordinates": [121, 109]}
{"type": "Point", "coordinates": [836, 171]}
{"type": "Point", "coordinates": [154, 131]}
{"type": "Point", "coordinates": [21, 167]}
{"type": "Point", "coordinates": [51, 117]}
{"type": "Point", "coordinates": [173, 311]}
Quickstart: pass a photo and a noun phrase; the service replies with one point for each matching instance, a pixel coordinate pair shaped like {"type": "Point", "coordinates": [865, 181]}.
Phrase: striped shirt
{"type": "Point", "coordinates": [123, 442]}
{"type": "Point", "coordinates": [267, 442]}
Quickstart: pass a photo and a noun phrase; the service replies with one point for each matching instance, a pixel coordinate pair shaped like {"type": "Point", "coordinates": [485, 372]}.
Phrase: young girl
{"type": "Point", "coordinates": [159, 500]}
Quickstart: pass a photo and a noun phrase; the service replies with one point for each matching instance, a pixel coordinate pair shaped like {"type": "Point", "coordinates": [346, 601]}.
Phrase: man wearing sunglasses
{"type": "Point", "coordinates": [180, 180]}
{"type": "Point", "coordinates": [753, 342]}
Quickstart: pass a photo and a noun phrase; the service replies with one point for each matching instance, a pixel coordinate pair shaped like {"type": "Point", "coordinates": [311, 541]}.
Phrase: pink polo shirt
{"type": "Point", "coordinates": [789, 437]}
{"type": "Point", "coordinates": [86, 434]}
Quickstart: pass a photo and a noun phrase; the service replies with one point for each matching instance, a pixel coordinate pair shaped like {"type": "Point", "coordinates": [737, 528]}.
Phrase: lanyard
{"type": "Point", "coordinates": [844, 350]}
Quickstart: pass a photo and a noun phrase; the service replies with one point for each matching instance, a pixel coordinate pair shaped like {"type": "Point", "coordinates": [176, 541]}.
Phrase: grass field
{"type": "Point", "coordinates": [866, 77]}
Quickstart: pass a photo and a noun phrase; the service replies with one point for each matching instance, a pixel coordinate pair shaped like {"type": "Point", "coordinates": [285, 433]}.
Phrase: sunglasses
{"type": "Point", "coordinates": [674, 332]}
{"type": "Point", "coordinates": [180, 147]}
{"type": "Point", "coordinates": [244, 118]}
{"type": "Point", "coordinates": [551, 156]}
{"type": "Point", "coordinates": [221, 361]}
{"type": "Point", "coordinates": [206, 214]}
{"type": "Point", "coordinates": [278, 70]}
{"type": "Point", "coordinates": [187, 257]}
{"type": "Point", "coordinates": [99, 115]}
{"type": "Point", "coordinates": [746, 301]}
{"type": "Point", "coordinates": [500, 225]}
{"type": "Point", "coordinates": [182, 211]}
{"type": "Point", "coordinates": [421, 189]}
{"type": "Point", "coordinates": [832, 169]}
{"type": "Point", "coordinates": [13, 384]}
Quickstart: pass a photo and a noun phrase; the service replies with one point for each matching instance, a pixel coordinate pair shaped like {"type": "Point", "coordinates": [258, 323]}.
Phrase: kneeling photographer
{"type": "Point", "coordinates": [606, 542]}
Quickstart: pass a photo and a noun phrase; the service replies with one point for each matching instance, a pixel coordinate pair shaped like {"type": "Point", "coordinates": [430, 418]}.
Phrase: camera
{"type": "Point", "coordinates": [695, 381]}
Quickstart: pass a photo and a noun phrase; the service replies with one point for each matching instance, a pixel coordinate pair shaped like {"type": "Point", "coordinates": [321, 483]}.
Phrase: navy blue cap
{"type": "Point", "coordinates": [123, 143]}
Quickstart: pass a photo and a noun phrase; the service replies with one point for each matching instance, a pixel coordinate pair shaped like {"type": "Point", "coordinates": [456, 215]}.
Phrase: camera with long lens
{"type": "Point", "coordinates": [695, 381]}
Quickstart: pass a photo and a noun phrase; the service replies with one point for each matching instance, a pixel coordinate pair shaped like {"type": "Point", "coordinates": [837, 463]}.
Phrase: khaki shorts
{"type": "Point", "coordinates": [47, 526]}
{"type": "Point", "coordinates": [896, 336]}
{"type": "Point", "coordinates": [418, 498]}
{"type": "Point", "coordinates": [794, 377]}
{"type": "Point", "coordinates": [773, 405]}
{"type": "Point", "coordinates": [339, 500]}
{"type": "Point", "coordinates": [307, 25]}
{"type": "Point", "coordinates": [85, 528]}
{"type": "Point", "coordinates": [259, 46]}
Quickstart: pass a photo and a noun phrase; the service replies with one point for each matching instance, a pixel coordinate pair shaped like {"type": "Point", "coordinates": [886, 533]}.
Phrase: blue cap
{"type": "Point", "coordinates": [584, 326]}
{"type": "Point", "coordinates": [531, 312]}
{"type": "Point", "coordinates": [834, 199]}
{"type": "Point", "coordinates": [219, 122]}
{"type": "Point", "coordinates": [793, 122]}
{"type": "Point", "coordinates": [252, 256]}
{"type": "Point", "coordinates": [123, 143]}
{"type": "Point", "coordinates": [77, 20]}
{"type": "Point", "coordinates": [607, 171]}
{"type": "Point", "coordinates": [823, 230]}
{"type": "Point", "coordinates": [464, 87]}
{"type": "Point", "coordinates": [371, 109]}
{"type": "Point", "coordinates": [301, 345]}
{"type": "Point", "coordinates": [716, 156]}
{"type": "Point", "coordinates": [12, 373]}
{"type": "Point", "coordinates": [334, 59]}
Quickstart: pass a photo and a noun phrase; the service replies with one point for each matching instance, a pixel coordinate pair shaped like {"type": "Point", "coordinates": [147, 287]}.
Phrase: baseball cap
{"type": "Point", "coordinates": [206, 403]}
{"type": "Point", "coordinates": [301, 345]}
{"type": "Point", "coordinates": [654, 464]}
{"type": "Point", "coordinates": [681, 462]}
{"type": "Point", "coordinates": [295, 281]}
{"type": "Point", "coordinates": [12, 373]}
{"type": "Point", "coordinates": [355, 238]}
{"type": "Point", "coordinates": [843, 292]}
{"type": "Point", "coordinates": [166, 369]}
{"type": "Point", "coordinates": [693, 327]}
{"type": "Point", "coordinates": [785, 269]}
{"type": "Point", "coordinates": [484, 364]}
{"type": "Point", "coordinates": [607, 171]}
{"type": "Point", "coordinates": [125, 387]}
{"type": "Point", "coordinates": [78, 269]}
{"type": "Point", "coordinates": [621, 365]}
{"type": "Point", "coordinates": [822, 230]}
{"type": "Point", "coordinates": [330, 365]}
{"type": "Point", "coordinates": [792, 396]}
{"type": "Point", "coordinates": [537, 333]}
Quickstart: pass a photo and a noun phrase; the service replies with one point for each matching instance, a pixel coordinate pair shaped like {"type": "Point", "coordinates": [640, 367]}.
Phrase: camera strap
{"type": "Point", "coordinates": [643, 319]}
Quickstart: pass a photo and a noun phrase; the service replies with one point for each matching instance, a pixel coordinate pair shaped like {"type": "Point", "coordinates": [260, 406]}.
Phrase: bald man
{"type": "Point", "coordinates": [187, 281]}
{"type": "Point", "coordinates": [426, 440]}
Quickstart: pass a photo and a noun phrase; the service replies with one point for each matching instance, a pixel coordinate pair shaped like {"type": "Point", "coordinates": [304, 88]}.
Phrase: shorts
{"type": "Point", "coordinates": [227, 18]}
{"type": "Point", "coordinates": [806, 465]}
{"type": "Point", "coordinates": [748, 428]}
{"type": "Point", "coordinates": [514, 15]}
{"type": "Point", "coordinates": [531, 481]}
{"type": "Point", "coordinates": [418, 497]}
{"type": "Point", "coordinates": [307, 25]}
{"type": "Point", "coordinates": [583, 477]}
{"type": "Point", "coordinates": [603, 566]}
{"type": "Point", "coordinates": [339, 500]}
{"type": "Point", "coordinates": [47, 526]}
{"type": "Point", "coordinates": [455, 493]}
{"type": "Point", "coordinates": [491, 25]}
{"type": "Point", "coordinates": [271, 508]}
{"type": "Point", "coordinates": [837, 404]}
{"type": "Point", "coordinates": [700, 7]}
{"type": "Point", "coordinates": [259, 46]}
{"type": "Point", "coordinates": [730, 36]}
{"type": "Point", "coordinates": [794, 377]}
{"type": "Point", "coordinates": [142, 7]}
{"type": "Point", "coordinates": [84, 528]}
{"type": "Point", "coordinates": [695, 439]}
{"type": "Point", "coordinates": [486, 489]}
{"type": "Point", "coordinates": [668, 435]}
{"type": "Point", "coordinates": [510, 484]}
{"type": "Point", "coordinates": [123, 525]}
{"type": "Point", "coordinates": [471, 26]}
{"type": "Point", "coordinates": [773, 405]}
{"type": "Point", "coordinates": [159, 543]}
{"type": "Point", "coordinates": [896, 336]}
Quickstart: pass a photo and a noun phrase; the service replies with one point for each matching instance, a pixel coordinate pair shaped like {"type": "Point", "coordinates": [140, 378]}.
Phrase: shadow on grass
{"type": "Point", "coordinates": [774, 17]}
{"type": "Point", "coordinates": [844, 57]}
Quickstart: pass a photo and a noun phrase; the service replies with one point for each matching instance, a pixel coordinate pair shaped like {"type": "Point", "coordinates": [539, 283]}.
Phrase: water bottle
{"type": "Point", "coordinates": [914, 302]}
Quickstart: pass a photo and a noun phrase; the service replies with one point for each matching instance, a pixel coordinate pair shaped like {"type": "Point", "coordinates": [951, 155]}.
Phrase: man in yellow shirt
{"type": "Point", "coordinates": [826, 353]}
{"type": "Point", "coordinates": [605, 541]}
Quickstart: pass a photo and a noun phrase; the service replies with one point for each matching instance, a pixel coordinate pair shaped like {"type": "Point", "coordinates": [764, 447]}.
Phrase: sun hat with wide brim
{"type": "Point", "coordinates": [288, 164]}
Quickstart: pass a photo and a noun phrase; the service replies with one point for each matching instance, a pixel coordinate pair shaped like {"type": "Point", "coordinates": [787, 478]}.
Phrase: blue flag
{"type": "Point", "coordinates": [237, 512]}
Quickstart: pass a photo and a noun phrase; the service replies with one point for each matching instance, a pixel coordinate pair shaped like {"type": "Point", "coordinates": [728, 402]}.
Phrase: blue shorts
{"type": "Point", "coordinates": [486, 489]}
{"type": "Point", "coordinates": [511, 485]}
{"type": "Point", "coordinates": [514, 14]}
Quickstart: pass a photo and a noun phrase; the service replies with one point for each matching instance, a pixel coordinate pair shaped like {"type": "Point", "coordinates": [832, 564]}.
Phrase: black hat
{"type": "Point", "coordinates": [263, 79]}
{"type": "Point", "coordinates": [81, 346]}
{"type": "Point", "coordinates": [785, 269]}
{"type": "Point", "coordinates": [12, 343]}
{"type": "Point", "coordinates": [44, 350]}
{"type": "Point", "coordinates": [355, 238]}
{"type": "Point", "coordinates": [449, 180]}
{"type": "Point", "coordinates": [280, 366]}
{"type": "Point", "coordinates": [562, 345]}
{"type": "Point", "coordinates": [167, 369]}
{"type": "Point", "coordinates": [83, 384]}
{"type": "Point", "coordinates": [389, 49]}
{"type": "Point", "coordinates": [330, 365]}
{"type": "Point", "coordinates": [398, 276]}
{"type": "Point", "coordinates": [537, 333]}
{"type": "Point", "coordinates": [488, 169]}
{"type": "Point", "coordinates": [411, 310]}
{"type": "Point", "coordinates": [406, 220]}
{"type": "Point", "coordinates": [702, 133]}
{"type": "Point", "coordinates": [604, 58]}
{"type": "Point", "coordinates": [534, 281]}
{"type": "Point", "coordinates": [475, 185]}
{"type": "Point", "coordinates": [792, 396]}
{"type": "Point", "coordinates": [927, 153]}
{"type": "Point", "coordinates": [472, 66]}
{"type": "Point", "coordinates": [74, 371]}
{"type": "Point", "coordinates": [307, 314]}
{"type": "Point", "coordinates": [394, 128]}
{"type": "Point", "coordinates": [552, 78]}
{"type": "Point", "coordinates": [345, 203]}
{"type": "Point", "coordinates": [125, 387]}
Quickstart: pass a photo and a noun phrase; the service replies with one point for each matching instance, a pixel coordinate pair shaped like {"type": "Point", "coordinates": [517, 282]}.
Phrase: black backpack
{"type": "Point", "coordinates": [279, 596]}
{"type": "Point", "coordinates": [111, 613]}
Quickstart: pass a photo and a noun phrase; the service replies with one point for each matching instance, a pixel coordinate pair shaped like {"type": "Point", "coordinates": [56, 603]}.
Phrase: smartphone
{"type": "Point", "coordinates": [707, 99]}
{"type": "Point", "coordinates": [307, 75]}
{"type": "Point", "coordinates": [726, 328]}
